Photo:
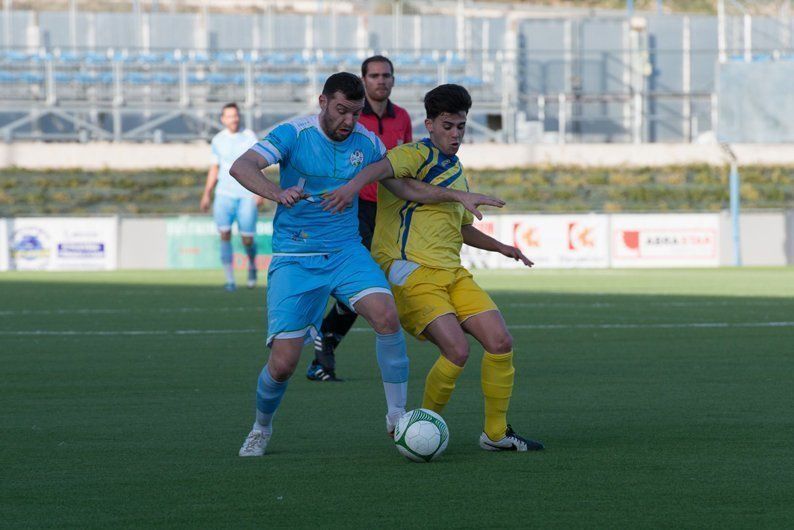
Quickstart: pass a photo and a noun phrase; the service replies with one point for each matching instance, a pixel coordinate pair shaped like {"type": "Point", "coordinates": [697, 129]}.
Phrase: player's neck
{"type": "Point", "coordinates": [378, 107]}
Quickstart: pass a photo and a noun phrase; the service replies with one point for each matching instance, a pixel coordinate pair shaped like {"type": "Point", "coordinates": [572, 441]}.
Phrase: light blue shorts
{"type": "Point", "coordinates": [225, 209]}
{"type": "Point", "coordinates": [298, 288]}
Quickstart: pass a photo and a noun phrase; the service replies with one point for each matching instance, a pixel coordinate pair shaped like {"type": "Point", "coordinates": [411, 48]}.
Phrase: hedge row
{"type": "Point", "coordinates": [546, 189]}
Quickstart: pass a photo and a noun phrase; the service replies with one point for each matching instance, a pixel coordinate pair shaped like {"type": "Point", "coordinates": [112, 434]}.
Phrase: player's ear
{"type": "Point", "coordinates": [323, 102]}
{"type": "Point", "coordinates": [429, 125]}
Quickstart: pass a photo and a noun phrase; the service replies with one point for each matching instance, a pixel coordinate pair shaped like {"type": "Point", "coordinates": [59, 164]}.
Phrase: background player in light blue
{"type": "Point", "coordinates": [232, 201]}
{"type": "Point", "coordinates": [317, 254]}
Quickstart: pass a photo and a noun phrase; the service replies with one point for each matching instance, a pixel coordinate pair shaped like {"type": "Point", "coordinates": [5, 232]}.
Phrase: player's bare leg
{"type": "Point", "coordinates": [498, 374]}
{"type": "Point", "coordinates": [272, 384]}
{"type": "Point", "coordinates": [446, 333]}
{"type": "Point", "coordinates": [381, 313]}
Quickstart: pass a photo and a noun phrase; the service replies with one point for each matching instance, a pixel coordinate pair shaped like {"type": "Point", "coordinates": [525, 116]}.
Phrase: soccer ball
{"type": "Point", "coordinates": [421, 435]}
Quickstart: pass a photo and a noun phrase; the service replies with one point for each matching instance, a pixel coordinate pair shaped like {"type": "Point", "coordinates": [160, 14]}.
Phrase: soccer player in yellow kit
{"type": "Point", "coordinates": [418, 246]}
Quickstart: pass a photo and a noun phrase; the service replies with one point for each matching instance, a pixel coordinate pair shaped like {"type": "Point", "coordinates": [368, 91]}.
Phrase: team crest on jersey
{"type": "Point", "coordinates": [356, 158]}
{"type": "Point", "coordinates": [445, 163]}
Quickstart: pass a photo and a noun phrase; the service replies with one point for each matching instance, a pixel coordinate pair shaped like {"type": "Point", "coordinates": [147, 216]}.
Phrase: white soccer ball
{"type": "Point", "coordinates": [421, 435]}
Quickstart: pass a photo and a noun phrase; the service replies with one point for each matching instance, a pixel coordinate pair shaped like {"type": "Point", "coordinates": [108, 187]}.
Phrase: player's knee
{"type": "Point", "coordinates": [457, 353]}
{"type": "Point", "coordinates": [226, 236]}
{"type": "Point", "coordinates": [280, 370]}
{"type": "Point", "coordinates": [248, 241]}
{"type": "Point", "coordinates": [501, 342]}
{"type": "Point", "coordinates": [385, 320]}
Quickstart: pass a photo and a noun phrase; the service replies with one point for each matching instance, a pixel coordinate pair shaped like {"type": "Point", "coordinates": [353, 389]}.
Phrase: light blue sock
{"type": "Point", "coordinates": [393, 362]}
{"type": "Point", "coordinates": [268, 397]}
{"type": "Point", "coordinates": [250, 251]}
{"type": "Point", "coordinates": [226, 260]}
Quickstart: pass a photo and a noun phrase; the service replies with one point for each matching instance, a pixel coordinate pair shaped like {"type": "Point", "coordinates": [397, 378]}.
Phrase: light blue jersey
{"type": "Point", "coordinates": [304, 152]}
{"type": "Point", "coordinates": [226, 148]}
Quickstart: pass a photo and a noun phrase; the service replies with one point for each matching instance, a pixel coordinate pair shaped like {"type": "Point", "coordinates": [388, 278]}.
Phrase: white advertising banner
{"type": "Point", "coordinates": [560, 241]}
{"type": "Point", "coordinates": [665, 240]}
{"type": "Point", "coordinates": [3, 244]}
{"type": "Point", "coordinates": [482, 259]}
{"type": "Point", "coordinates": [63, 243]}
{"type": "Point", "coordinates": [550, 241]}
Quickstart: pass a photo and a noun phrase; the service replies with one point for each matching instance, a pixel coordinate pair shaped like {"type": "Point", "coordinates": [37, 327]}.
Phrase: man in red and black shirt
{"type": "Point", "coordinates": [393, 126]}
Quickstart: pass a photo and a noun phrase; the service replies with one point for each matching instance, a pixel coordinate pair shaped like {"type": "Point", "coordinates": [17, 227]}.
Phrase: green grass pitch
{"type": "Point", "coordinates": [664, 399]}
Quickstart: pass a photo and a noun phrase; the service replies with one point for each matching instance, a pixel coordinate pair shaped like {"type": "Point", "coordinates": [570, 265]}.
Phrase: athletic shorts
{"type": "Point", "coordinates": [298, 288]}
{"type": "Point", "coordinates": [423, 294]}
{"type": "Point", "coordinates": [226, 210]}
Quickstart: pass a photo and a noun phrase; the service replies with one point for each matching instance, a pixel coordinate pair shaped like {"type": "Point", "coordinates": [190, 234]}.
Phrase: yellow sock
{"type": "Point", "coordinates": [497, 387]}
{"type": "Point", "coordinates": [439, 384]}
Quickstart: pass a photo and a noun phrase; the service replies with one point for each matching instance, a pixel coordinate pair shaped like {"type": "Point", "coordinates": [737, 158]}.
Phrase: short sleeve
{"type": "Point", "coordinates": [406, 160]}
{"type": "Point", "coordinates": [277, 145]}
{"type": "Point", "coordinates": [251, 136]}
{"type": "Point", "coordinates": [468, 218]}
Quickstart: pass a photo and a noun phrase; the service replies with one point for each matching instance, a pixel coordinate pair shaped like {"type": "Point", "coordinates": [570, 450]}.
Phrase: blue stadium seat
{"type": "Point", "coordinates": [296, 79]}
{"type": "Point", "coordinates": [226, 58]}
{"type": "Point", "coordinates": [31, 78]}
{"type": "Point", "coordinates": [95, 58]}
{"type": "Point", "coordinates": [15, 56]}
{"type": "Point", "coordinates": [267, 79]}
{"type": "Point", "coordinates": [404, 59]}
{"type": "Point", "coordinates": [137, 78]}
{"type": "Point", "coordinates": [162, 78]}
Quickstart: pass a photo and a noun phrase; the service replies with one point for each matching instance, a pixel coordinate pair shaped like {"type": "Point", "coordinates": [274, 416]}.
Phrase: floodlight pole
{"type": "Point", "coordinates": [735, 195]}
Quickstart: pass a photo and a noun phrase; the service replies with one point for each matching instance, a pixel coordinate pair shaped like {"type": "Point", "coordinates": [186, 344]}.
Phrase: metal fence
{"type": "Point", "coordinates": [164, 76]}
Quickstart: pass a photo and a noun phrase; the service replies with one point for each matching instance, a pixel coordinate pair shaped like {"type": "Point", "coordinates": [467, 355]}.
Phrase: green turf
{"type": "Point", "coordinates": [649, 420]}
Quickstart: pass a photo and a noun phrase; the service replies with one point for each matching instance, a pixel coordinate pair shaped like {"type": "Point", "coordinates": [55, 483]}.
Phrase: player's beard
{"type": "Point", "coordinates": [333, 132]}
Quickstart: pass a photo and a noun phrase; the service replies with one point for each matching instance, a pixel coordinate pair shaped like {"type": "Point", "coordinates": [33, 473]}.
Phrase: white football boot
{"type": "Point", "coordinates": [510, 442]}
{"type": "Point", "coordinates": [391, 422]}
{"type": "Point", "coordinates": [255, 443]}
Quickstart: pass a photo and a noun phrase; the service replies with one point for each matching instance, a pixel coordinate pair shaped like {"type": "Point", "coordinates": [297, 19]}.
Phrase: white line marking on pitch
{"type": "Point", "coordinates": [261, 308]}
{"type": "Point", "coordinates": [681, 325]}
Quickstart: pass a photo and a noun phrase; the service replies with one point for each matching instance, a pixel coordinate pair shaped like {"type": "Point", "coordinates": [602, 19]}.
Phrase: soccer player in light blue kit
{"type": "Point", "coordinates": [317, 254]}
{"type": "Point", "coordinates": [232, 201]}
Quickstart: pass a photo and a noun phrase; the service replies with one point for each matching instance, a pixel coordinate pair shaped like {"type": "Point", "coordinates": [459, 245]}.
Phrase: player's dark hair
{"type": "Point", "coordinates": [230, 106]}
{"type": "Point", "coordinates": [348, 84]}
{"type": "Point", "coordinates": [375, 59]}
{"type": "Point", "coordinates": [447, 98]}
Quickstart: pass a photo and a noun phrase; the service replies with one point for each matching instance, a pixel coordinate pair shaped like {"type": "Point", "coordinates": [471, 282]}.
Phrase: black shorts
{"type": "Point", "coordinates": [366, 221]}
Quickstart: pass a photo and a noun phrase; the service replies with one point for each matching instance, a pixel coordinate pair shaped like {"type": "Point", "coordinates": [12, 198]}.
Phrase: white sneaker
{"type": "Point", "coordinates": [510, 442]}
{"type": "Point", "coordinates": [255, 443]}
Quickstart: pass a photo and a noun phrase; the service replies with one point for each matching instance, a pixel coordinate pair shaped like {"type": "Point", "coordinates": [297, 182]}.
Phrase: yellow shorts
{"type": "Point", "coordinates": [426, 294]}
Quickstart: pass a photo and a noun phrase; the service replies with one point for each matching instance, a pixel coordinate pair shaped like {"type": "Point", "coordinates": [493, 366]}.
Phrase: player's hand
{"type": "Point", "coordinates": [259, 201]}
{"type": "Point", "coordinates": [471, 201]}
{"type": "Point", "coordinates": [290, 196]}
{"type": "Point", "coordinates": [340, 199]}
{"type": "Point", "coordinates": [516, 254]}
{"type": "Point", "coordinates": [205, 203]}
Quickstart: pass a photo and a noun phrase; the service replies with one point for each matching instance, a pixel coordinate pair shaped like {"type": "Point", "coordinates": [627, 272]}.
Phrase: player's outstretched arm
{"type": "Point", "coordinates": [477, 239]}
{"type": "Point", "coordinates": [416, 191]}
{"type": "Point", "coordinates": [248, 171]}
{"type": "Point", "coordinates": [343, 196]}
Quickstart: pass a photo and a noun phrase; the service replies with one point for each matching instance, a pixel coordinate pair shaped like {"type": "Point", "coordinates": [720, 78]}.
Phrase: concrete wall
{"type": "Point", "coordinates": [132, 156]}
{"type": "Point", "coordinates": [765, 238]}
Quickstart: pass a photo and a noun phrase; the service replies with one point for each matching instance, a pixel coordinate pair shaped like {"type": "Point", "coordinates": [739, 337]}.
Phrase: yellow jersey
{"type": "Point", "coordinates": [427, 234]}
